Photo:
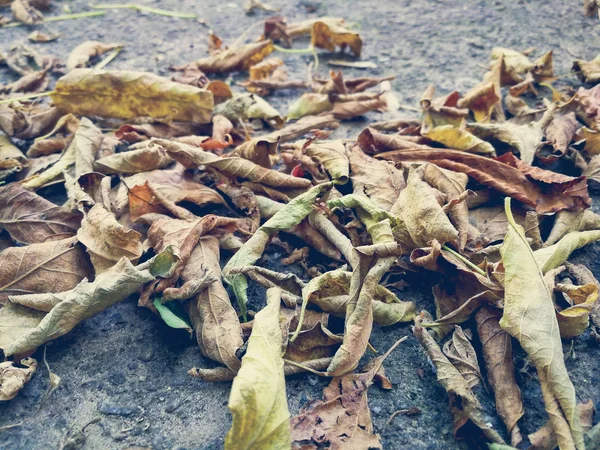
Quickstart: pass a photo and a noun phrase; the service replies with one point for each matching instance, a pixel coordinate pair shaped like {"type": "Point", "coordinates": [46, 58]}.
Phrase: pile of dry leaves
{"type": "Point", "coordinates": [128, 183]}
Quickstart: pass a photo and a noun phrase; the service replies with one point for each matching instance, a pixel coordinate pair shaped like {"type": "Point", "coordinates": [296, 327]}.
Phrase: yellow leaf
{"type": "Point", "coordinates": [258, 401]}
{"type": "Point", "coordinates": [328, 35]}
{"type": "Point", "coordinates": [129, 94]}
{"type": "Point", "coordinates": [460, 139]}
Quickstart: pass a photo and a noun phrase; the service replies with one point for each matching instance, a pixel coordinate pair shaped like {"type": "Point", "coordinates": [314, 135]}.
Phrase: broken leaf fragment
{"type": "Point", "coordinates": [13, 378]}
{"type": "Point", "coordinates": [258, 400]}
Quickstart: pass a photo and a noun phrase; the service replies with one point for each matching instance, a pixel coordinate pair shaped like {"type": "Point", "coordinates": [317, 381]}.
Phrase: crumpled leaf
{"type": "Point", "coordinates": [192, 157]}
{"type": "Point", "coordinates": [331, 154]}
{"type": "Point", "coordinates": [258, 400]}
{"type": "Point", "coordinates": [308, 104]}
{"type": "Point", "coordinates": [462, 355]}
{"type": "Point", "coordinates": [342, 419]}
{"type": "Point", "coordinates": [551, 257]}
{"type": "Point", "coordinates": [497, 352]}
{"type": "Point", "coordinates": [288, 216]}
{"type": "Point", "coordinates": [327, 35]}
{"type": "Point", "coordinates": [27, 123]}
{"type": "Point", "coordinates": [129, 94]}
{"type": "Point", "coordinates": [485, 99]}
{"type": "Point", "coordinates": [460, 139]}
{"type": "Point", "coordinates": [81, 152]}
{"type": "Point", "coordinates": [574, 320]}
{"type": "Point", "coordinates": [258, 150]}
{"type": "Point", "coordinates": [28, 321]}
{"type": "Point", "coordinates": [463, 404]}
{"type": "Point", "coordinates": [315, 343]}
{"type": "Point", "coordinates": [522, 138]}
{"type": "Point", "coordinates": [530, 318]}
{"type": "Point", "coordinates": [422, 217]}
{"type": "Point", "coordinates": [13, 379]}
{"type": "Point", "coordinates": [568, 221]}
{"type": "Point", "coordinates": [29, 218]}
{"type": "Point", "coordinates": [250, 106]}
{"type": "Point", "coordinates": [379, 180]}
{"type": "Point", "coordinates": [237, 58]}
{"type": "Point", "coordinates": [559, 131]}
{"type": "Point", "coordinates": [106, 240]}
{"type": "Point", "coordinates": [546, 191]}
{"type": "Point", "coordinates": [134, 161]}
{"type": "Point", "coordinates": [23, 11]}
{"type": "Point", "coordinates": [83, 53]}
{"type": "Point", "coordinates": [587, 71]}
{"type": "Point", "coordinates": [53, 266]}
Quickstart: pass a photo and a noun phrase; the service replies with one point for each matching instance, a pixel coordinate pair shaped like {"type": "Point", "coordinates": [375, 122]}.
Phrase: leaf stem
{"type": "Point", "coordinates": [102, 64]}
{"type": "Point", "coordinates": [61, 17]}
{"type": "Point", "coordinates": [137, 7]}
{"type": "Point", "coordinates": [26, 97]}
{"type": "Point", "coordinates": [465, 260]}
{"type": "Point", "coordinates": [310, 49]}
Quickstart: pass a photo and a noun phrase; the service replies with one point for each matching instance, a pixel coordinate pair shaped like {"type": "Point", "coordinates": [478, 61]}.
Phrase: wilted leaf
{"type": "Point", "coordinates": [568, 221]}
{"type": "Point", "coordinates": [193, 157]}
{"type": "Point", "coordinates": [27, 123]}
{"type": "Point", "coordinates": [546, 191]}
{"type": "Point", "coordinates": [328, 35]}
{"type": "Point", "coordinates": [485, 99]}
{"type": "Point", "coordinates": [250, 106]}
{"type": "Point", "coordinates": [40, 36]}
{"type": "Point", "coordinates": [342, 419]}
{"type": "Point", "coordinates": [83, 53]}
{"type": "Point", "coordinates": [134, 161]}
{"type": "Point", "coordinates": [497, 352]}
{"type": "Point", "coordinates": [13, 379]}
{"type": "Point", "coordinates": [587, 71]}
{"type": "Point", "coordinates": [574, 320]}
{"type": "Point", "coordinates": [331, 154]}
{"type": "Point", "coordinates": [551, 257]}
{"type": "Point", "coordinates": [30, 218]}
{"type": "Point", "coordinates": [379, 180]}
{"type": "Point", "coordinates": [107, 241]}
{"type": "Point", "coordinates": [309, 104]}
{"type": "Point", "coordinates": [23, 11]}
{"type": "Point", "coordinates": [463, 404]}
{"type": "Point", "coordinates": [10, 155]}
{"type": "Point", "coordinates": [459, 139]}
{"type": "Point", "coordinates": [559, 132]}
{"type": "Point", "coordinates": [258, 400]}
{"type": "Point", "coordinates": [237, 58]}
{"type": "Point", "coordinates": [54, 266]}
{"type": "Point", "coordinates": [530, 318]}
{"type": "Point", "coordinates": [64, 310]}
{"type": "Point", "coordinates": [462, 355]}
{"type": "Point", "coordinates": [129, 94]}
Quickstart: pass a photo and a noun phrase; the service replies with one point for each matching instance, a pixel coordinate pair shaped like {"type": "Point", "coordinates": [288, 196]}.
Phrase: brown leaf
{"type": "Point", "coordinates": [37, 81]}
{"type": "Point", "coordinates": [485, 99]}
{"type": "Point", "coordinates": [13, 379]}
{"type": "Point", "coordinates": [107, 241]}
{"type": "Point", "coordinates": [30, 218]}
{"type": "Point", "coordinates": [23, 11]}
{"type": "Point", "coordinates": [40, 36]}
{"type": "Point", "coordinates": [372, 141]}
{"type": "Point", "coordinates": [49, 146]}
{"type": "Point", "coordinates": [545, 437]}
{"type": "Point", "coordinates": [258, 150]}
{"type": "Point", "coordinates": [327, 35]}
{"type": "Point", "coordinates": [546, 191]}
{"type": "Point", "coordinates": [83, 53]}
{"type": "Point", "coordinates": [462, 355]}
{"type": "Point", "coordinates": [587, 71]}
{"type": "Point", "coordinates": [27, 123]}
{"type": "Point", "coordinates": [314, 343]}
{"type": "Point", "coordinates": [497, 353]}
{"type": "Point", "coordinates": [379, 180]}
{"type": "Point", "coordinates": [342, 419]}
{"type": "Point", "coordinates": [463, 404]}
{"type": "Point", "coordinates": [236, 59]}
{"type": "Point", "coordinates": [136, 160]}
{"type": "Point", "coordinates": [559, 131]}
{"type": "Point", "coordinates": [46, 267]}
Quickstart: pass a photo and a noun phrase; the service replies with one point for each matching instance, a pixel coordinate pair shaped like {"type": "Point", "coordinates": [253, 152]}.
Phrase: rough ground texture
{"type": "Point", "coordinates": [128, 369]}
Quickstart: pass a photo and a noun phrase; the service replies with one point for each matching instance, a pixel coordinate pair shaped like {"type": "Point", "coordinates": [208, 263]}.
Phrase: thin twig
{"type": "Point", "coordinates": [61, 17]}
{"type": "Point", "coordinates": [465, 260]}
{"type": "Point", "coordinates": [135, 6]}
{"type": "Point", "coordinates": [26, 97]}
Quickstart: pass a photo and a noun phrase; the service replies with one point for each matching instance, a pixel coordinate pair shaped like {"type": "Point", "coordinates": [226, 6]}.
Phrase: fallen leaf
{"type": "Point", "coordinates": [258, 400]}
{"type": "Point", "coordinates": [24, 12]}
{"type": "Point", "coordinates": [309, 104]}
{"type": "Point", "coordinates": [83, 53]}
{"type": "Point", "coordinates": [327, 35]}
{"type": "Point", "coordinates": [462, 355]}
{"type": "Point", "coordinates": [551, 257]}
{"type": "Point", "coordinates": [13, 378]}
{"type": "Point", "coordinates": [530, 318]}
{"type": "Point", "coordinates": [497, 353]}
{"type": "Point", "coordinates": [40, 36]}
{"type": "Point", "coordinates": [129, 94]}
{"type": "Point", "coordinates": [459, 139]}
{"type": "Point", "coordinates": [29, 218]}
{"type": "Point", "coordinates": [30, 320]}
{"type": "Point", "coordinates": [522, 139]}
{"type": "Point", "coordinates": [463, 404]}
{"type": "Point", "coordinates": [134, 161]}
{"type": "Point", "coordinates": [53, 266]}
{"type": "Point", "coordinates": [574, 320]}
{"type": "Point", "coordinates": [27, 123]}
{"type": "Point", "coordinates": [237, 58]}
{"type": "Point", "coordinates": [568, 221]}
{"type": "Point", "coordinates": [546, 191]}
{"type": "Point", "coordinates": [485, 99]}
{"type": "Point", "coordinates": [250, 106]}
{"type": "Point", "coordinates": [587, 71]}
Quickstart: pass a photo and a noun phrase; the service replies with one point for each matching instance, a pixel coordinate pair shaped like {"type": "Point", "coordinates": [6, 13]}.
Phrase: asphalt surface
{"type": "Point", "coordinates": [128, 369]}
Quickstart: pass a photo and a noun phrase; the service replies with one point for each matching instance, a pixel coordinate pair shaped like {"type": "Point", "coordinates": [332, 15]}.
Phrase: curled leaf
{"type": "Point", "coordinates": [237, 58]}
{"type": "Point", "coordinates": [328, 35]}
{"type": "Point", "coordinates": [13, 379]}
{"type": "Point", "coordinates": [83, 53]}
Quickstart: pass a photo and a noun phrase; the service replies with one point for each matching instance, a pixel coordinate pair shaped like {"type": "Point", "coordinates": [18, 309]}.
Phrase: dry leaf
{"type": "Point", "coordinates": [258, 401]}
{"type": "Point", "coordinates": [40, 36]}
{"type": "Point", "coordinates": [574, 320]}
{"type": "Point", "coordinates": [83, 53]}
{"type": "Point", "coordinates": [13, 379]}
{"type": "Point", "coordinates": [327, 35]}
{"type": "Point", "coordinates": [134, 161]}
{"type": "Point", "coordinates": [462, 355]}
{"type": "Point", "coordinates": [309, 104]}
{"type": "Point", "coordinates": [23, 11]}
{"type": "Point", "coordinates": [530, 318]}
{"type": "Point", "coordinates": [236, 59]}
{"type": "Point", "coordinates": [249, 106]}
{"type": "Point", "coordinates": [587, 71]}
{"type": "Point", "coordinates": [129, 94]}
